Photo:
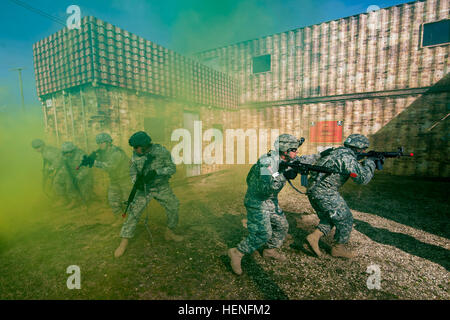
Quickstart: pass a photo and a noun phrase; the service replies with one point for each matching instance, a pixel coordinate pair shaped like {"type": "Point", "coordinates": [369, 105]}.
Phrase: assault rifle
{"type": "Point", "coordinates": [88, 161]}
{"type": "Point", "coordinates": [304, 168]}
{"type": "Point", "coordinates": [141, 180]}
{"type": "Point", "coordinates": [139, 184]}
{"type": "Point", "coordinates": [379, 157]}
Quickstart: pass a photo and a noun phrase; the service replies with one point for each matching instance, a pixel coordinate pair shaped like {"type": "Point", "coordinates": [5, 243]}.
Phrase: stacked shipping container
{"type": "Point", "coordinates": [364, 74]}
{"type": "Point", "coordinates": [378, 51]}
{"type": "Point", "coordinates": [360, 72]}
{"type": "Point", "coordinates": [104, 54]}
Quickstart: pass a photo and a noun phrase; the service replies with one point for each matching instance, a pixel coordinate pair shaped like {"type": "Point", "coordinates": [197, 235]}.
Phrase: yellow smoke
{"type": "Point", "coordinates": [20, 170]}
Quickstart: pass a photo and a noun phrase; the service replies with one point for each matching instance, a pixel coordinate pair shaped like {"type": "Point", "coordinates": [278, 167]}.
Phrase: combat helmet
{"type": "Point", "coordinates": [356, 141]}
{"type": "Point", "coordinates": [37, 143]}
{"type": "Point", "coordinates": [103, 137]}
{"type": "Point", "coordinates": [140, 139]}
{"type": "Point", "coordinates": [287, 141]}
{"type": "Point", "coordinates": [67, 147]}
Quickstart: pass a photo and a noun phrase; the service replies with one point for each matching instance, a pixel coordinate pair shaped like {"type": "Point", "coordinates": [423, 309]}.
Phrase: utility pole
{"type": "Point", "coordinates": [21, 86]}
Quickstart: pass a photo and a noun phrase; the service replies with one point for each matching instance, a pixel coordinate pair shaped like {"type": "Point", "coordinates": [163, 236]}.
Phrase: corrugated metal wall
{"type": "Point", "coordinates": [376, 51]}
{"type": "Point", "coordinates": [102, 53]}
{"type": "Point", "coordinates": [367, 71]}
{"type": "Point", "coordinates": [363, 74]}
{"type": "Point", "coordinates": [78, 114]}
{"type": "Point", "coordinates": [402, 121]}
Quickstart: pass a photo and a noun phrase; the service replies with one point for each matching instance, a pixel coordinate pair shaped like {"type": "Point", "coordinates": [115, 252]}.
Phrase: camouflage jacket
{"type": "Point", "coordinates": [264, 182]}
{"type": "Point", "coordinates": [344, 160]}
{"type": "Point", "coordinates": [161, 162]}
{"type": "Point", "coordinates": [115, 162]}
{"type": "Point", "coordinates": [71, 164]}
{"type": "Point", "coordinates": [52, 160]}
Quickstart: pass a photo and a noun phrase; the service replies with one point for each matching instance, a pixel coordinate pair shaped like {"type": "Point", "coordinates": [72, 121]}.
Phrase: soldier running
{"type": "Point", "coordinates": [323, 192]}
{"type": "Point", "coordinates": [155, 163]}
{"type": "Point", "coordinates": [266, 222]}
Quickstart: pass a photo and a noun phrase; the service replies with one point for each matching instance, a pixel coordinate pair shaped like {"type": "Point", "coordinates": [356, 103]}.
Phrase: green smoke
{"type": "Point", "coordinates": [211, 24]}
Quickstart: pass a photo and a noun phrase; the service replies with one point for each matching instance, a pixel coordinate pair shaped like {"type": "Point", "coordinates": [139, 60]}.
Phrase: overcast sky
{"type": "Point", "coordinates": [183, 26]}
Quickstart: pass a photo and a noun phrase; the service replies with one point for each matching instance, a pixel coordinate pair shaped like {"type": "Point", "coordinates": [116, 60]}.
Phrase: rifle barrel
{"type": "Point", "coordinates": [393, 154]}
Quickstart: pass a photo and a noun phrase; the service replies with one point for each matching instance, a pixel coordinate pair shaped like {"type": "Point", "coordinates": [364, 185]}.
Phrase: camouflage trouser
{"type": "Point", "coordinates": [53, 182]}
{"type": "Point", "coordinates": [118, 192]}
{"type": "Point", "coordinates": [63, 185]}
{"type": "Point", "coordinates": [333, 211]}
{"type": "Point", "coordinates": [60, 183]}
{"type": "Point", "coordinates": [164, 195]}
{"type": "Point", "coordinates": [264, 227]}
{"type": "Point", "coordinates": [84, 186]}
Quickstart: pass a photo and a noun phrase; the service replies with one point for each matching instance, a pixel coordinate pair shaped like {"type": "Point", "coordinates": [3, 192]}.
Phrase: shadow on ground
{"type": "Point", "coordinates": [229, 230]}
{"type": "Point", "coordinates": [406, 243]}
{"type": "Point", "coordinates": [419, 203]}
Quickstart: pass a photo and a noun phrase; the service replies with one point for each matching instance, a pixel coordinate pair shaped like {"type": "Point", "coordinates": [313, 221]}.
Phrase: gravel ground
{"type": "Point", "coordinates": [413, 263]}
{"type": "Point", "coordinates": [400, 225]}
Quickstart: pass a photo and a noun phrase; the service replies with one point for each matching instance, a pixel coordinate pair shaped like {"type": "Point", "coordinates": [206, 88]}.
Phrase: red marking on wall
{"type": "Point", "coordinates": [326, 131]}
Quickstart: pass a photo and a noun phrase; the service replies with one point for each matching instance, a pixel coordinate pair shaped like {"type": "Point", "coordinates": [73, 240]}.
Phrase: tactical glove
{"type": "Point", "coordinates": [290, 174]}
{"type": "Point", "coordinates": [379, 161]}
{"type": "Point", "coordinates": [93, 156]}
{"type": "Point", "coordinates": [150, 176]}
{"type": "Point", "coordinates": [140, 184]}
{"type": "Point", "coordinates": [87, 162]}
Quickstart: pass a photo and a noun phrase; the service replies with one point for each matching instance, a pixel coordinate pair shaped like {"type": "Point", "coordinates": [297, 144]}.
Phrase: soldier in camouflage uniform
{"type": "Point", "coordinates": [266, 224]}
{"type": "Point", "coordinates": [79, 181]}
{"type": "Point", "coordinates": [52, 171]}
{"type": "Point", "coordinates": [155, 163]}
{"type": "Point", "coordinates": [323, 192]}
{"type": "Point", "coordinates": [116, 163]}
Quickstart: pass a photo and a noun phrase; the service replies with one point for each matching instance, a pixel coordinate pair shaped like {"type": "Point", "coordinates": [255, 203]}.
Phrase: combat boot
{"type": "Point", "coordinates": [339, 250]}
{"type": "Point", "coordinates": [170, 235]}
{"type": "Point", "coordinates": [236, 257]}
{"type": "Point", "coordinates": [313, 241]}
{"type": "Point", "coordinates": [274, 254]}
{"type": "Point", "coordinates": [122, 247]}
